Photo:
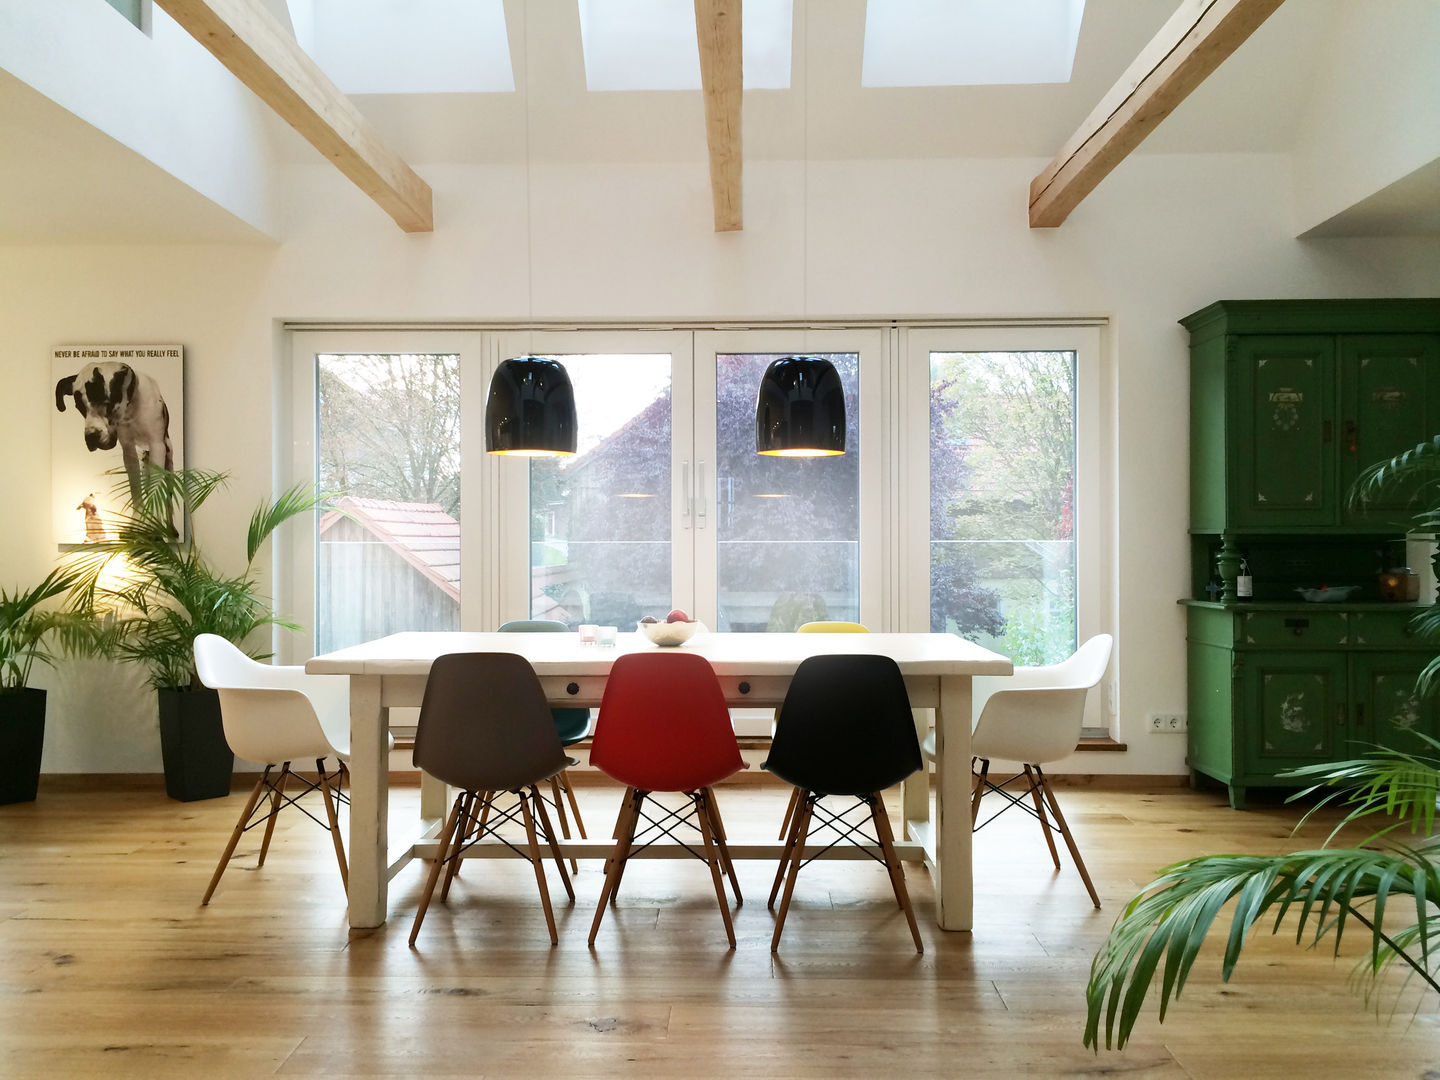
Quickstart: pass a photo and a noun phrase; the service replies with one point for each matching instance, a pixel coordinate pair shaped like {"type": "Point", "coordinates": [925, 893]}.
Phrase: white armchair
{"type": "Point", "coordinates": [1034, 717]}
{"type": "Point", "coordinates": [278, 715]}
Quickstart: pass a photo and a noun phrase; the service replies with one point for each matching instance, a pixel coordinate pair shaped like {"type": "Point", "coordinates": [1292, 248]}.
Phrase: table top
{"type": "Point", "coordinates": [729, 654]}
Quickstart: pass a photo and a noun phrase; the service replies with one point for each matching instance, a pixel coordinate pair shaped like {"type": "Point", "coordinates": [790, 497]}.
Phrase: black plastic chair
{"type": "Point", "coordinates": [485, 728]}
{"type": "Point", "coordinates": [845, 729]}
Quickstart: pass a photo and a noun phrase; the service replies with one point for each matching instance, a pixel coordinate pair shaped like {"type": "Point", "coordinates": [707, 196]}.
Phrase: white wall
{"type": "Point", "coordinates": [1160, 238]}
{"type": "Point", "coordinates": [1374, 116]}
{"type": "Point", "coordinates": [162, 95]}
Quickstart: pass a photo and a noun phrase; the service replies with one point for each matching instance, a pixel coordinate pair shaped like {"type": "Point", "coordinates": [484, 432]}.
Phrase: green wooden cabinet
{"type": "Point", "coordinates": [1273, 687]}
{"type": "Point", "coordinates": [1289, 402]}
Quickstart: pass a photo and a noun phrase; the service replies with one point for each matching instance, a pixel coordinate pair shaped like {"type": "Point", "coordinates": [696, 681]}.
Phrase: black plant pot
{"type": "Point", "coordinates": [198, 760]}
{"type": "Point", "coordinates": [22, 738]}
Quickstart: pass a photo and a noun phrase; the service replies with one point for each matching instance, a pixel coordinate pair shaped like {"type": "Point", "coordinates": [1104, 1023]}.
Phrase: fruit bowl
{"type": "Point", "coordinates": [1328, 594]}
{"type": "Point", "coordinates": [669, 633]}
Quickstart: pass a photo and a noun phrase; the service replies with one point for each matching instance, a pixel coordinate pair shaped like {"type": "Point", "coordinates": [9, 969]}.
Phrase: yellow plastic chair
{"type": "Point", "coordinates": [822, 626]}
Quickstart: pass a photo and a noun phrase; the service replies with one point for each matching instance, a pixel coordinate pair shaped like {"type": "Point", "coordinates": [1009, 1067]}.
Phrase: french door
{"type": "Point", "coordinates": [666, 504]}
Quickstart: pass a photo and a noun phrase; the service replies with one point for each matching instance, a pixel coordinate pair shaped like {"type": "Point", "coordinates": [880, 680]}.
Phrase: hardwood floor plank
{"type": "Point", "coordinates": [113, 969]}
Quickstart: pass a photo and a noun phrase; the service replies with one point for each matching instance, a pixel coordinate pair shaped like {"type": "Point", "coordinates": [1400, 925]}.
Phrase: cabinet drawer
{"type": "Point", "coordinates": [1387, 629]}
{"type": "Point", "coordinates": [1302, 630]}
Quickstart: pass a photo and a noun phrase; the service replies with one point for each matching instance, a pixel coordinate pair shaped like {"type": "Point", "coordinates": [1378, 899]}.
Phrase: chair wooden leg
{"type": "Point", "coordinates": [445, 837]}
{"type": "Point", "coordinates": [550, 839]}
{"type": "Point", "coordinates": [892, 864]}
{"type": "Point", "coordinates": [785, 854]}
{"type": "Point", "coordinates": [979, 792]}
{"type": "Point", "coordinates": [797, 855]}
{"type": "Point", "coordinates": [275, 804]}
{"type": "Point", "coordinates": [1069, 840]}
{"type": "Point", "coordinates": [463, 831]}
{"type": "Point", "coordinates": [789, 814]}
{"type": "Point", "coordinates": [560, 813]}
{"type": "Point", "coordinates": [638, 801]}
{"type": "Point", "coordinates": [574, 805]}
{"type": "Point", "coordinates": [334, 818]}
{"type": "Point", "coordinates": [624, 830]}
{"type": "Point", "coordinates": [250, 805]}
{"type": "Point", "coordinates": [1040, 811]}
{"type": "Point", "coordinates": [539, 865]}
{"type": "Point", "coordinates": [712, 856]}
{"type": "Point", "coordinates": [717, 827]}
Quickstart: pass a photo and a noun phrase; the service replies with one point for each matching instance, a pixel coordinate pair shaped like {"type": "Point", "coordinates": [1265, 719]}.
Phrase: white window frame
{"type": "Point", "coordinates": [297, 463]}
{"type": "Point", "coordinates": [895, 470]}
{"type": "Point", "coordinates": [1094, 470]}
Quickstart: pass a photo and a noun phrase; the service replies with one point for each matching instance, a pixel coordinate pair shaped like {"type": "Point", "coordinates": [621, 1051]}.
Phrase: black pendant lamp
{"type": "Point", "coordinates": [800, 410]}
{"type": "Point", "coordinates": [531, 409]}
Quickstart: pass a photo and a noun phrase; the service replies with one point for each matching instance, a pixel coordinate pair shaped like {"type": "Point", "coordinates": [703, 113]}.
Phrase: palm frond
{"type": "Point", "coordinates": [268, 516]}
{"type": "Point", "coordinates": [1415, 473]}
{"type": "Point", "coordinates": [1172, 917]}
{"type": "Point", "coordinates": [1401, 785]}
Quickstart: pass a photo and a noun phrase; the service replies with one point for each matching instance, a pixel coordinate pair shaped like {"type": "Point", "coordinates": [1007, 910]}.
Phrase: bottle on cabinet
{"type": "Point", "coordinates": [1244, 583]}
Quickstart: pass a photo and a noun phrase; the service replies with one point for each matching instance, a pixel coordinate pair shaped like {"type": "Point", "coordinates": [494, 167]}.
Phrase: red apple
{"type": "Point", "coordinates": [677, 616]}
{"type": "Point", "coordinates": [649, 620]}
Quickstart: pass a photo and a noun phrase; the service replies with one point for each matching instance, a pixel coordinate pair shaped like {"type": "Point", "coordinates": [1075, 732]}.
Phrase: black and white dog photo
{"type": "Point", "coordinates": [124, 407]}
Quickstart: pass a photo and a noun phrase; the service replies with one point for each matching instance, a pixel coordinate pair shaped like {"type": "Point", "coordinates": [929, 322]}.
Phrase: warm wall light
{"type": "Point", "coordinates": [531, 409]}
{"type": "Point", "coordinates": [800, 410]}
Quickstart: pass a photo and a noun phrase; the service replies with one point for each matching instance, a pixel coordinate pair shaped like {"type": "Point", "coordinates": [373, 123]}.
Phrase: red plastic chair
{"type": "Point", "coordinates": [664, 726]}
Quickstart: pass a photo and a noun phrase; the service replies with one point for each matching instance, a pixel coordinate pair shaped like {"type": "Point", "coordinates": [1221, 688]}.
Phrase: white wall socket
{"type": "Point", "coordinates": [1171, 723]}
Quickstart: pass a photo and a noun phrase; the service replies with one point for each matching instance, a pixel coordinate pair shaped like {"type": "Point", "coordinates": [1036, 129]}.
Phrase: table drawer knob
{"type": "Point", "coordinates": [744, 688]}
{"type": "Point", "coordinates": [572, 689]}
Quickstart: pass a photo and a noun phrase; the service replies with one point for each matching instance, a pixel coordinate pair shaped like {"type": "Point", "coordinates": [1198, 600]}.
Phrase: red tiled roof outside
{"type": "Point", "coordinates": [422, 534]}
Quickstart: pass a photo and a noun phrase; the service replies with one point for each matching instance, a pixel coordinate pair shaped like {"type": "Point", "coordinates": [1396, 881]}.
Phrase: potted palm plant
{"type": "Point", "coordinates": [28, 633]}
{"type": "Point", "coordinates": [167, 592]}
{"type": "Point", "coordinates": [1387, 887]}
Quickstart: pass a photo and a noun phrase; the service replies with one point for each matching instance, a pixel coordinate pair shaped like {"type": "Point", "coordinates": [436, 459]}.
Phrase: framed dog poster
{"type": "Point", "coordinates": [115, 406]}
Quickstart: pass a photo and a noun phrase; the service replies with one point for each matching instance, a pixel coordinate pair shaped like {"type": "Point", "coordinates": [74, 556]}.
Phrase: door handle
{"type": "Point", "coordinates": [700, 499]}
{"type": "Point", "coordinates": [687, 501]}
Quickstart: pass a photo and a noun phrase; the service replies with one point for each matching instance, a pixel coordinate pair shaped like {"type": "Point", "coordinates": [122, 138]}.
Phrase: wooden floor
{"type": "Point", "coordinates": [109, 966]}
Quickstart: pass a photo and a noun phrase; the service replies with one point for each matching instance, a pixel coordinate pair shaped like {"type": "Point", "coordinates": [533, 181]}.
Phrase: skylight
{"type": "Point", "coordinates": [650, 44]}
{"type": "Point", "coordinates": [969, 42]}
{"type": "Point", "coordinates": [418, 47]}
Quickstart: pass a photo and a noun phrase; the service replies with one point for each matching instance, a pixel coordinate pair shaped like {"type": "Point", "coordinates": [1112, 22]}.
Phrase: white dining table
{"type": "Point", "coordinates": [753, 669]}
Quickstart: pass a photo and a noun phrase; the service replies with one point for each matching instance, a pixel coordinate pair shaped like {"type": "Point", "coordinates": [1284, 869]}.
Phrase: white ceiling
{"type": "Point", "coordinates": [61, 181]}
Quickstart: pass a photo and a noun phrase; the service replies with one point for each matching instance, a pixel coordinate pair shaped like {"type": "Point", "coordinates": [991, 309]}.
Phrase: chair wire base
{"type": "Point", "coordinates": [274, 795]}
{"type": "Point", "coordinates": [700, 813]}
{"type": "Point", "coordinates": [1046, 811]}
{"type": "Point", "coordinates": [807, 807]}
{"type": "Point", "coordinates": [471, 820]}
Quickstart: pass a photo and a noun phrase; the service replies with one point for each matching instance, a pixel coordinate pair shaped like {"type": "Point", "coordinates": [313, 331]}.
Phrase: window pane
{"type": "Point", "coordinates": [600, 520]}
{"type": "Point", "coordinates": [388, 556]}
{"type": "Point", "coordinates": [1002, 501]}
{"type": "Point", "coordinates": [787, 529]}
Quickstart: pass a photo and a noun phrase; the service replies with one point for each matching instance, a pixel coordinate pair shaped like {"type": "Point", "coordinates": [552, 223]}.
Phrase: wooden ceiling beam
{"type": "Point", "coordinates": [245, 37]}
{"type": "Point", "coordinates": [717, 24]}
{"type": "Point", "coordinates": [1192, 44]}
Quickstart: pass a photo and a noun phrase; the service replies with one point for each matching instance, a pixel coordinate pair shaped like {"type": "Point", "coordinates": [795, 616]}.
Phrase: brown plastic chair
{"type": "Point", "coordinates": [485, 728]}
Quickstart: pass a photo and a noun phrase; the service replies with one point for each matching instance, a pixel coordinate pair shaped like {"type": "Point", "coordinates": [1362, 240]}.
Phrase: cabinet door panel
{"type": "Point", "coordinates": [1387, 706]}
{"type": "Point", "coordinates": [1384, 410]}
{"type": "Point", "coordinates": [1296, 709]}
{"type": "Point", "coordinates": [1283, 455]}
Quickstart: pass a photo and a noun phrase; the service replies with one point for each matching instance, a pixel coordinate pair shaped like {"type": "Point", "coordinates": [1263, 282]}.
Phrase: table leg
{"type": "Point", "coordinates": [434, 797]}
{"type": "Point", "coordinates": [915, 793]}
{"type": "Point", "coordinates": [369, 804]}
{"type": "Point", "coordinates": [954, 895]}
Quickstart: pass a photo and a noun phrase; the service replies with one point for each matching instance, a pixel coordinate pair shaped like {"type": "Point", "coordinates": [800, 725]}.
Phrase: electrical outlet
{"type": "Point", "coordinates": [1169, 723]}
